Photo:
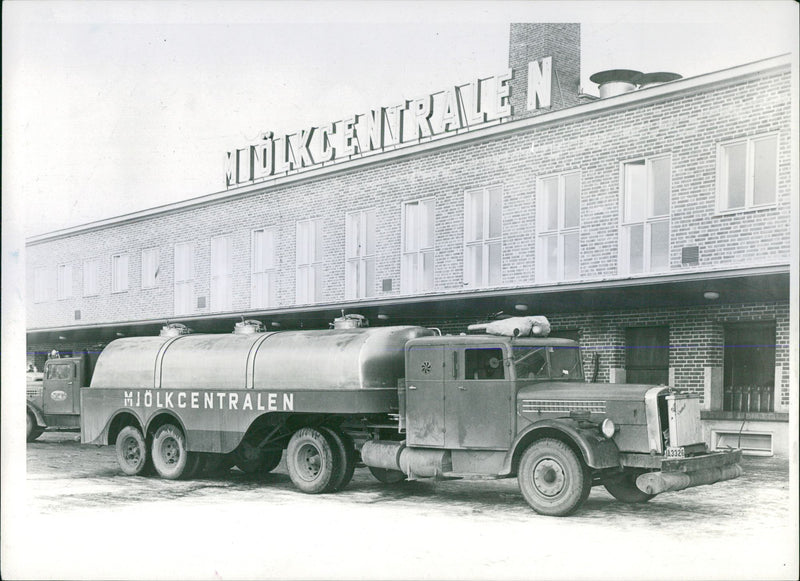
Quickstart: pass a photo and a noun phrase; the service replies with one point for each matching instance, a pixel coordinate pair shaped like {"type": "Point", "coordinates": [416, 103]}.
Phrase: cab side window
{"type": "Point", "coordinates": [484, 364]}
{"type": "Point", "coordinates": [60, 371]}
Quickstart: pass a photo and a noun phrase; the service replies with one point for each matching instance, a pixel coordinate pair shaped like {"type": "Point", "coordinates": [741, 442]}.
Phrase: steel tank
{"type": "Point", "coordinates": [336, 359]}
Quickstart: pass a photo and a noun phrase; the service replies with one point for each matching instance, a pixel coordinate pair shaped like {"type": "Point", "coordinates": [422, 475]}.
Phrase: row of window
{"type": "Point", "coordinates": [747, 180]}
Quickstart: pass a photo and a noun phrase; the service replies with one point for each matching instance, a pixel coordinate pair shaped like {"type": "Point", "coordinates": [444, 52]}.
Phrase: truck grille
{"type": "Point", "coordinates": [563, 406]}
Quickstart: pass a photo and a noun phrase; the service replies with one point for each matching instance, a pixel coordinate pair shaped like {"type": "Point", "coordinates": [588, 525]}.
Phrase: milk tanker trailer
{"type": "Point", "coordinates": [405, 401]}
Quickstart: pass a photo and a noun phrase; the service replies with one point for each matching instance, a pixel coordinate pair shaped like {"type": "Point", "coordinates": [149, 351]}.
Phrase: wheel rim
{"type": "Point", "coordinates": [131, 451]}
{"type": "Point", "coordinates": [549, 477]}
{"type": "Point", "coordinates": [170, 451]}
{"type": "Point", "coordinates": [309, 462]}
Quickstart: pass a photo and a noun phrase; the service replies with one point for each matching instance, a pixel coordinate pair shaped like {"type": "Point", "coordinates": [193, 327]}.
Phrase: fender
{"type": "Point", "coordinates": [597, 451]}
{"type": "Point", "coordinates": [37, 414]}
{"type": "Point", "coordinates": [102, 435]}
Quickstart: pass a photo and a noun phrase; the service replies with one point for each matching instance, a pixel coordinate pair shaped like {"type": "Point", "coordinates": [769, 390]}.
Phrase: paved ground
{"type": "Point", "coordinates": [84, 519]}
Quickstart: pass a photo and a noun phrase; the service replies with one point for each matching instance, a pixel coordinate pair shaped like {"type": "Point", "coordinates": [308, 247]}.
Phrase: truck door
{"type": "Point", "coordinates": [479, 410]}
{"type": "Point", "coordinates": [425, 395]}
{"type": "Point", "coordinates": [59, 386]}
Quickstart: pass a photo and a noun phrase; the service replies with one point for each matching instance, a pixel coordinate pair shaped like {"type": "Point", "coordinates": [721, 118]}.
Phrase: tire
{"type": "Point", "coordinates": [310, 458]}
{"type": "Point", "coordinates": [387, 476]}
{"type": "Point", "coordinates": [623, 487]}
{"type": "Point", "coordinates": [552, 478]}
{"type": "Point", "coordinates": [195, 464]}
{"type": "Point", "coordinates": [32, 431]}
{"type": "Point", "coordinates": [270, 460]}
{"type": "Point", "coordinates": [169, 454]}
{"type": "Point", "coordinates": [248, 458]}
{"type": "Point", "coordinates": [132, 455]}
{"type": "Point", "coordinates": [345, 458]}
{"type": "Point", "coordinates": [216, 464]}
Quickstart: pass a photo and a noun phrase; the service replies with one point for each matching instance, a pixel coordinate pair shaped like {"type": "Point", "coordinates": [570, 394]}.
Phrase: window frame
{"type": "Point", "coordinates": [486, 241]}
{"type": "Point", "coordinates": [64, 284]}
{"type": "Point", "coordinates": [227, 299]}
{"type": "Point", "coordinates": [115, 283]}
{"type": "Point", "coordinates": [413, 282]}
{"type": "Point", "coordinates": [358, 263]}
{"type": "Point", "coordinates": [271, 273]}
{"type": "Point", "coordinates": [647, 221]}
{"type": "Point", "coordinates": [316, 264]}
{"type": "Point", "coordinates": [188, 282]}
{"type": "Point", "coordinates": [155, 251]}
{"type": "Point", "coordinates": [722, 193]}
{"type": "Point", "coordinates": [91, 264]}
{"type": "Point", "coordinates": [561, 231]}
{"type": "Point", "coordinates": [41, 284]}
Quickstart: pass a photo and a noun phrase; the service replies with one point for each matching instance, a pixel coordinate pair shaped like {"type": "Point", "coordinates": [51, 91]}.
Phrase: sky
{"type": "Point", "coordinates": [110, 108]}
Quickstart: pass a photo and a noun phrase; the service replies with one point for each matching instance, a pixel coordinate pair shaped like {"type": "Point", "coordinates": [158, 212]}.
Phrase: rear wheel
{"type": "Point", "coordinates": [170, 457]}
{"type": "Point", "coordinates": [132, 455]}
{"type": "Point", "coordinates": [310, 459]}
{"type": "Point", "coordinates": [33, 431]}
{"type": "Point", "coordinates": [345, 458]}
{"type": "Point", "coordinates": [387, 476]}
{"type": "Point", "coordinates": [623, 487]}
{"type": "Point", "coordinates": [552, 478]}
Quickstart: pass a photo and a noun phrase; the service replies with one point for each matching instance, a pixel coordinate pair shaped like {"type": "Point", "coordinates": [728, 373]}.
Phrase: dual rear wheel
{"type": "Point", "coordinates": [320, 459]}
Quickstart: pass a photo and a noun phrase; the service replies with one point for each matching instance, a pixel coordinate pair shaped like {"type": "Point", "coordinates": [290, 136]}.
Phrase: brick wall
{"type": "Point", "coordinates": [688, 128]}
{"type": "Point", "coordinates": [532, 41]}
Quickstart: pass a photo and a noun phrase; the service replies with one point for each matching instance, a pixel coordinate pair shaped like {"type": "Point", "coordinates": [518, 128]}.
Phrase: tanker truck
{"type": "Point", "coordinates": [405, 401]}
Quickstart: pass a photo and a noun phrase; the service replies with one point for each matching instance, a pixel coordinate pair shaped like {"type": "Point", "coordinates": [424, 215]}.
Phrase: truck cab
{"type": "Point", "coordinates": [53, 396]}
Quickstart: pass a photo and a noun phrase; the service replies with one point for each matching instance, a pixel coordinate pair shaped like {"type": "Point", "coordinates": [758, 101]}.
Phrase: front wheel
{"type": "Point", "coordinates": [623, 487]}
{"type": "Point", "coordinates": [33, 430]}
{"type": "Point", "coordinates": [132, 455]}
{"type": "Point", "coordinates": [310, 460]}
{"type": "Point", "coordinates": [552, 478]}
{"type": "Point", "coordinates": [170, 457]}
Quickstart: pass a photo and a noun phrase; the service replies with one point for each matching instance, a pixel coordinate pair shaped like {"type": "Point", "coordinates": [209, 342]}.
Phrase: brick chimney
{"type": "Point", "coordinates": [534, 41]}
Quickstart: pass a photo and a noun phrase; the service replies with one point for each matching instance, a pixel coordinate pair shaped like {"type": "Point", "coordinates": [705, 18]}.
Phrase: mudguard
{"type": "Point", "coordinates": [37, 414]}
{"type": "Point", "coordinates": [597, 451]}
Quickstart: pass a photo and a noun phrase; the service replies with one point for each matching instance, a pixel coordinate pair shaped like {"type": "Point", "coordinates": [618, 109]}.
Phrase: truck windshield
{"type": "Point", "coordinates": [547, 362]}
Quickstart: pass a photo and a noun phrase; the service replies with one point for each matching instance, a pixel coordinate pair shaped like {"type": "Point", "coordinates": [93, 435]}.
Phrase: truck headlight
{"type": "Point", "coordinates": [608, 428]}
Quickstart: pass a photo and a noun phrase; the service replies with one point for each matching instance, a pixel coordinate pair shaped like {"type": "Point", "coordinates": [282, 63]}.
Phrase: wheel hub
{"type": "Point", "coordinates": [310, 462]}
{"type": "Point", "coordinates": [549, 477]}
{"type": "Point", "coordinates": [170, 451]}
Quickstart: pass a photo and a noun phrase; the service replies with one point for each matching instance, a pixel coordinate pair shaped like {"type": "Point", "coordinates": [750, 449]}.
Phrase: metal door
{"type": "Point", "coordinates": [479, 409]}
{"type": "Point", "coordinates": [60, 382]}
{"type": "Point", "coordinates": [425, 395]}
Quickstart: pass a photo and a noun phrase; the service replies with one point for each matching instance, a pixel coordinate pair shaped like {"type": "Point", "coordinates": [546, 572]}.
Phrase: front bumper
{"type": "Point", "coordinates": [670, 474]}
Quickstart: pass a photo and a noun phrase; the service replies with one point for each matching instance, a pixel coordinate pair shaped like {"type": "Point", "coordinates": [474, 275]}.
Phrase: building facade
{"type": "Point", "coordinates": [653, 226]}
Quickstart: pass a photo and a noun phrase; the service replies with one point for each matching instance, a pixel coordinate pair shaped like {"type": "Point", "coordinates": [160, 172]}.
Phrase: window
{"type": "Point", "coordinates": [645, 215]}
{"type": "Point", "coordinates": [483, 236]}
{"type": "Point", "coordinates": [221, 274]}
{"type": "Point", "coordinates": [42, 285]}
{"type": "Point", "coordinates": [416, 269]}
{"type": "Point", "coordinates": [91, 277]}
{"type": "Point", "coordinates": [184, 278]}
{"type": "Point", "coordinates": [647, 355]}
{"type": "Point", "coordinates": [749, 368]}
{"type": "Point", "coordinates": [309, 261]}
{"type": "Point", "coordinates": [150, 267]}
{"type": "Point", "coordinates": [747, 173]}
{"type": "Point", "coordinates": [484, 364]}
{"type": "Point", "coordinates": [119, 273]}
{"type": "Point", "coordinates": [64, 281]}
{"type": "Point", "coordinates": [59, 371]}
{"type": "Point", "coordinates": [263, 269]}
{"type": "Point", "coordinates": [558, 209]}
{"type": "Point", "coordinates": [360, 254]}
